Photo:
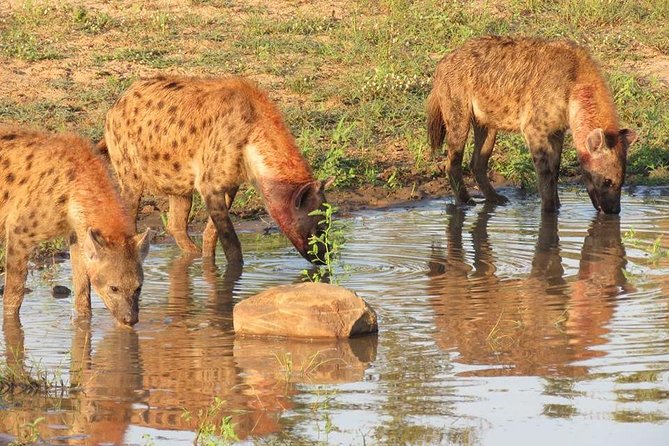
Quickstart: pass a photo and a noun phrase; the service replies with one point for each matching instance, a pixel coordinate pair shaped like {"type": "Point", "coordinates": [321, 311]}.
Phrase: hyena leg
{"type": "Point", "coordinates": [177, 223]}
{"type": "Point", "coordinates": [215, 199]}
{"type": "Point", "coordinates": [210, 235]}
{"type": "Point", "coordinates": [16, 270]}
{"type": "Point", "coordinates": [456, 135]}
{"type": "Point", "coordinates": [484, 141]}
{"type": "Point", "coordinates": [547, 164]}
{"type": "Point", "coordinates": [130, 195]}
{"type": "Point", "coordinates": [557, 140]}
{"type": "Point", "coordinates": [80, 280]}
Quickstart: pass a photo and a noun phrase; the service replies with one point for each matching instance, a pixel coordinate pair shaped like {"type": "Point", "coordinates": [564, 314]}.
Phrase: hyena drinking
{"type": "Point", "coordinates": [540, 88]}
{"type": "Point", "coordinates": [170, 135]}
{"type": "Point", "coordinates": [52, 185]}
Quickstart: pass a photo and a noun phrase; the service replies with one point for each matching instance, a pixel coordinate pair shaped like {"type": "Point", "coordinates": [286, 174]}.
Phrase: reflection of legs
{"type": "Point", "coordinates": [80, 280]}
{"type": "Point", "coordinates": [81, 352]}
{"type": "Point", "coordinates": [484, 141]}
{"type": "Point", "coordinates": [218, 211]}
{"type": "Point", "coordinates": [210, 235]}
{"type": "Point", "coordinates": [177, 224]}
{"type": "Point", "coordinates": [14, 344]}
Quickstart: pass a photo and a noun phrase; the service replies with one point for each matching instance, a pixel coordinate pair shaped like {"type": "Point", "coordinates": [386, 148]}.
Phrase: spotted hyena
{"type": "Point", "coordinates": [173, 135]}
{"type": "Point", "coordinates": [53, 185]}
{"type": "Point", "coordinates": [540, 88]}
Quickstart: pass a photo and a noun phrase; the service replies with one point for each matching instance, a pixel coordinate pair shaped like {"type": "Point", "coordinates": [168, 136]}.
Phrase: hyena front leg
{"type": "Point", "coordinates": [547, 163]}
{"type": "Point", "coordinates": [215, 200]}
{"type": "Point", "coordinates": [131, 193]}
{"type": "Point", "coordinates": [177, 222]}
{"type": "Point", "coordinates": [210, 235]}
{"type": "Point", "coordinates": [484, 141]}
{"type": "Point", "coordinates": [16, 270]}
{"type": "Point", "coordinates": [80, 280]}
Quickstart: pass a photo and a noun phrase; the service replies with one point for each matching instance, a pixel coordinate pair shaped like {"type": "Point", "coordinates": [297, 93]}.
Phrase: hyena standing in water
{"type": "Point", "coordinates": [52, 185]}
{"type": "Point", "coordinates": [537, 87]}
{"type": "Point", "coordinates": [170, 135]}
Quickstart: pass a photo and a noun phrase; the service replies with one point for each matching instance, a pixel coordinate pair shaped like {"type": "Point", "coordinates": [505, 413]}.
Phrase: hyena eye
{"type": "Point", "coordinates": [114, 289]}
{"type": "Point", "coordinates": [608, 183]}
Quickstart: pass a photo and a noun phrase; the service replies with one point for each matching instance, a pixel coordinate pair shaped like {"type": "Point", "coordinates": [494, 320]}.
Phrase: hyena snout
{"type": "Point", "coordinates": [126, 310]}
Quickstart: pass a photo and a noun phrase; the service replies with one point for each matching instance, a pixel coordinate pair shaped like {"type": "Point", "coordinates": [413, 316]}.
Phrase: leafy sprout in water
{"type": "Point", "coordinates": [325, 246]}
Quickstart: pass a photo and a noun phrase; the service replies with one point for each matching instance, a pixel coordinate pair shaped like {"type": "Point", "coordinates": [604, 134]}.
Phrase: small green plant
{"type": "Point", "coordinates": [655, 250]}
{"type": "Point", "coordinates": [210, 432]}
{"type": "Point", "coordinates": [28, 433]}
{"type": "Point", "coordinates": [326, 246]}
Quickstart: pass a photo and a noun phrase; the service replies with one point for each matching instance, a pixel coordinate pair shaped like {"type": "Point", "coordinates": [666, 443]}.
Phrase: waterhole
{"type": "Point", "coordinates": [497, 326]}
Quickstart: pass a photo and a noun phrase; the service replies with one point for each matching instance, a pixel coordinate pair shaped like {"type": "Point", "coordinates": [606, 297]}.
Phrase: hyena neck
{"type": "Point", "coordinates": [590, 107]}
{"type": "Point", "coordinates": [95, 203]}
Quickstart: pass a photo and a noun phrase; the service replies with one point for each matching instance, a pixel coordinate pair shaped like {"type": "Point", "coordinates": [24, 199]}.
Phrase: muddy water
{"type": "Point", "coordinates": [497, 326]}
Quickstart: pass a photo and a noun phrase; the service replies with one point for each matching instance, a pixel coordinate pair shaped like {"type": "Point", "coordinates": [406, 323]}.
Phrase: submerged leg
{"type": "Point", "coordinates": [484, 141]}
{"type": "Point", "coordinates": [177, 222]}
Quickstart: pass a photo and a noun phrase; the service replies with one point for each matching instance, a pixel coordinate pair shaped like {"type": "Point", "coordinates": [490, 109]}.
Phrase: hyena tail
{"type": "Point", "coordinates": [436, 129]}
{"type": "Point", "coordinates": [101, 148]}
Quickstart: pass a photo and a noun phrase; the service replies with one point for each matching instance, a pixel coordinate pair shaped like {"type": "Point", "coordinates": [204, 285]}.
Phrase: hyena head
{"type": "Point", "coordinates": [604, 167]}
{"type": "Point", "coordinates": [115, 271]}
{"type": "Point", "coordinates": [305, 200]}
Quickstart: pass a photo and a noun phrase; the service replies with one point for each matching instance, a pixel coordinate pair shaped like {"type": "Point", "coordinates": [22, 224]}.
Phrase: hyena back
{"type": "Point", "coordinates": [171, 135]}
{"type": "Point", "coordinates": [540, 88]}
{"type": "Point", "coordinates": [53, 185]}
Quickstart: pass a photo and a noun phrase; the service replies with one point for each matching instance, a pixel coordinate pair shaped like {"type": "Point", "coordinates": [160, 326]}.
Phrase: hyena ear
{"type": "Point", "coordinates": [595, 140]}
{"type": "Point", "coordinates": [93, 244]}
{"type": "Point", "coordinates": [629, 136]}
{"type": "Point", "coordinates": [143, 241]}
{"type": "Point", "coordinates": [301, 196]}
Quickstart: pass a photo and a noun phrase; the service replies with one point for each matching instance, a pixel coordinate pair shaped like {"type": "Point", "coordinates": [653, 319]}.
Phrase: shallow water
{"type": "Point", "coordinates": [497, 326]}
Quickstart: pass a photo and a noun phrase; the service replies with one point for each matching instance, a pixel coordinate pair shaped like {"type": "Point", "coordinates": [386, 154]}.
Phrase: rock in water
{"type": "Point", "coordinates": [306, 310]}
{"type": "Point", "coordinates": [60, 292]}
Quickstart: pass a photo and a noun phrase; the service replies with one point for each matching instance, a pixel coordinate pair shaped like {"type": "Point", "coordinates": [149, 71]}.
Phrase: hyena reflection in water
{"type": "Point", "coordinates": [171, 135]}
{"type": "Point", "coordinates": [540, 88]}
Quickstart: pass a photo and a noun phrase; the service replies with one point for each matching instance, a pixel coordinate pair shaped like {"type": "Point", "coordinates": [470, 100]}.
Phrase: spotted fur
{"type": "Point", "coordinates": [172, 135]}
{"type": "Point", "coordinates": [537, 87]}
{"type": "Point", "coordinates": [53, 185]}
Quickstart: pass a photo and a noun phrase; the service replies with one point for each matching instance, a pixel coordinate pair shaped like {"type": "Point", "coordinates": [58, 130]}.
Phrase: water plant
{"type": "Point", "coordinates": [326, 246]}
{"type": "Point", "coordinates": [28, 433]}
{"type": "Point", "coordinates": [211, 432]}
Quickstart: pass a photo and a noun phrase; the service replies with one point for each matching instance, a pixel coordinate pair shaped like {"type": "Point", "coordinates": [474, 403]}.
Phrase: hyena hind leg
{"type": "Point", "coordinates": [210, 234]}
{"type": "Point", "coordinates": [456, 136]}
{"type": "Point", "coordinates": [484, 142]}
{"type": "Point", "coordinates": [177, 222]}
